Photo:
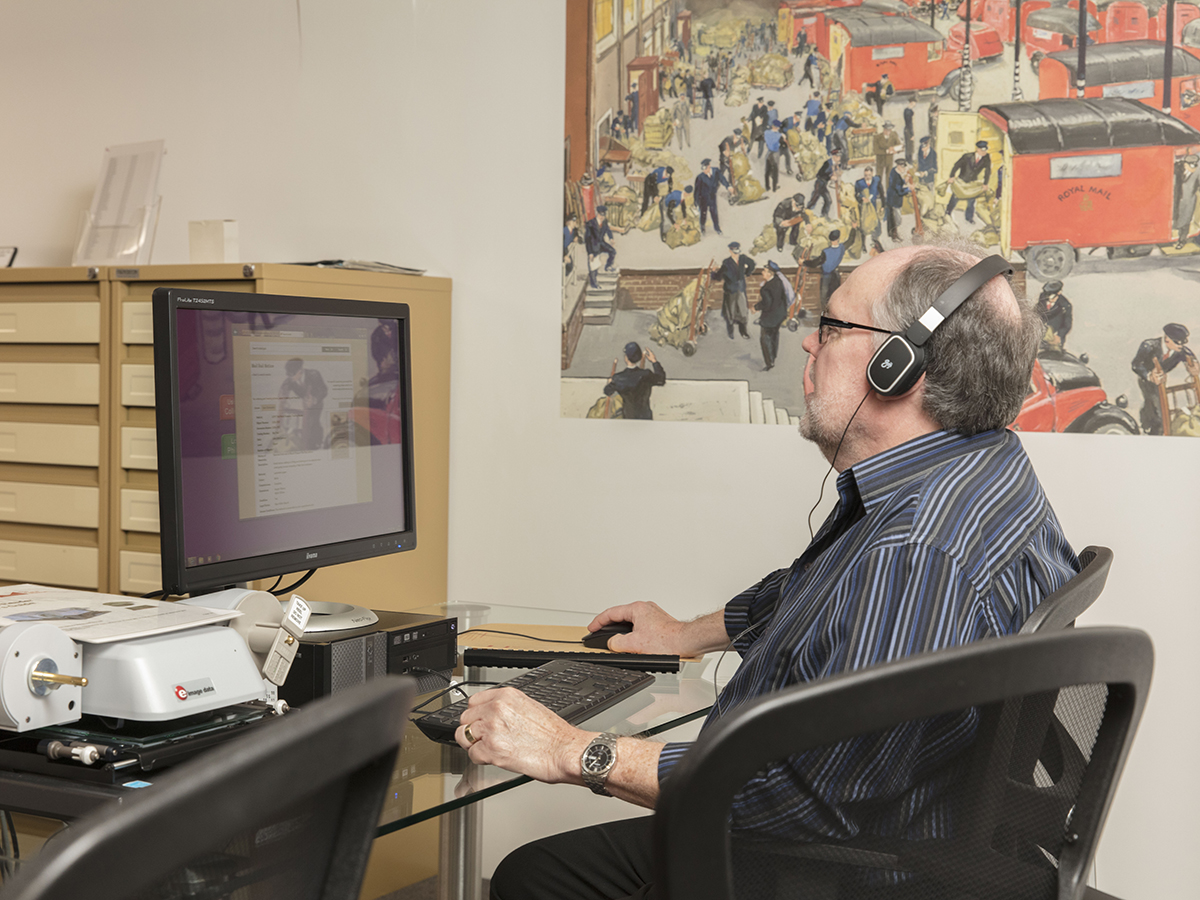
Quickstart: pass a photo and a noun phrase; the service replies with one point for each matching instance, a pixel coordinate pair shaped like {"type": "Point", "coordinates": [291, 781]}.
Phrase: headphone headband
{"type": "Point", "coordinates": [954, 296]}
{"type": "Point", "coordinates": [898, 363]}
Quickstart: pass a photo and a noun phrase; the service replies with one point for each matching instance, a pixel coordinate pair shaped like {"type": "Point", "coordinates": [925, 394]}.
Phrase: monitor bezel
{"type": "Point", "coordinates": [179, 579]}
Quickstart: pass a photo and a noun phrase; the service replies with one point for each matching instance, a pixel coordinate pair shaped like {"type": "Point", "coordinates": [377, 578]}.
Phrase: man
{"type": "Point", "coordinates": [787, 219]}
{"type": "Point", "coordinates": [932, 117]}
{"type": "Point", "coordinates": [595, 240]}
{"type": "Point", "coordinates": [1056, 312]}
{"type": "Point", "coordinates": [1168, 351]}
{"type": "Point", "coordinates": [668, 205]}
{"type": "Point", "coordinates": [971, 167]}
{"type": "Point", "coordinates": [810, 63]}
{"type": "Point", "coordinates": [732, 273]}
{"type": "Point", "coordinates": [570, 236]}
{"type": "Point", "coordinates": [896, 191]}
{"type": "Point", "coordinates": [812, 107]}
{"type": "Point", "coordinates": [825, 174]}
{"type": "Point", "coordinates": [942, 537]}
{"type": "Point", "coordinates": [867, 191]}
{"type": "Point", "coordinates": [841, 125]}
{"type": "Point", "coordinates": [682, 117]}
{"type": "Point", "coordinates": [1185, 211]}
{"type": "Point", "coordinates": [303, 423]}
{"type": "Point", "coordinates": [632, 99]}
{"type": "Point", "coordinates": [926, 162]}
{"type": "Point", "coordinates": [910, 129]}
{"type": "Point", "coordinates": [758, 124]}
{"type": "Point", "coordinates": [773, 307]}
{"type": "Point", "coordinates": [707, 86]}
{"type": "Point", "coordinates": [655, 177]}
{"type": "Point", "coordinates": [707, 184]}
{"type": "Point", "coordinates": [774, 142]}
{"type": "Point", "coordinates": [879, 91]}
{"type": "Point", "coordinates": [729, 146]}
{"type": "Point", "coordinates": [828, 262]}
{"type": "Point", "coordinates": [886, 143]}
{"type": "Point", "coordinates": [635, 382]}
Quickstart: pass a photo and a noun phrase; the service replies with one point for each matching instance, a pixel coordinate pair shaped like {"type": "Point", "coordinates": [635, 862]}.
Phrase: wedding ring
{"type": "Point", "coordinates": [470, 737]}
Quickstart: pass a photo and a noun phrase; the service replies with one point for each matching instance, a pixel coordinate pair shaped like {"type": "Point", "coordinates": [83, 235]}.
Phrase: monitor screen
{"type": "Point", "coordinates": [284, 434]}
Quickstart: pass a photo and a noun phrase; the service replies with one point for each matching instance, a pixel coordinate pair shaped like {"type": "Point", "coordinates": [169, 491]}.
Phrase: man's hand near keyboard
{"type": "Point", "coordinates": [506, 728]}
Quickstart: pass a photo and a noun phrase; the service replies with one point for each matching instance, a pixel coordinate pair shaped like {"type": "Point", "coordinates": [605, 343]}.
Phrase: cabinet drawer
{"type": "Point", "coordinates": [137, 384]}
{"type": "Point", "coordinates": [49, 564]}
{"type": "Point", "coordinates": [77, 506]}
{"type": "Point", "coordinates": [139, 510]}
{"type": "Point", "coordinates": [137, 322]}
{"type": "Point", "coordinates": [50, 323]}
{"type": "Point", "coordinates": [139, 449]}
{"type": "Point", "coordinates": [140, 572]}
{"type": "Point", "coordinates": [74, 383]}
{"type": "Point", "coordinates": [57, 445]}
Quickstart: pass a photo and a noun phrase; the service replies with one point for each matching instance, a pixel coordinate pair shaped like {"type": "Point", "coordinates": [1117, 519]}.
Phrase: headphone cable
{"type": "Point", "coordinates": [837, 450]}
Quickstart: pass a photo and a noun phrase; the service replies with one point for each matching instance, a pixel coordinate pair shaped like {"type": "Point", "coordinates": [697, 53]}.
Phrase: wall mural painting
{"type": "Point", "coordinates": [725, 160]}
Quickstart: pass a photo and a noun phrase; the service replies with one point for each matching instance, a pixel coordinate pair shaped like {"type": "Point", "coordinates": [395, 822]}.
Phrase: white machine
{"type": "Point", "coordinates": [64, 654]}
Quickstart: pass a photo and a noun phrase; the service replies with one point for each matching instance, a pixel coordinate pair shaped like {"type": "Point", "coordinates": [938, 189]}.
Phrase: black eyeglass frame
{"type": "Point", "coordinates": [824, 321]}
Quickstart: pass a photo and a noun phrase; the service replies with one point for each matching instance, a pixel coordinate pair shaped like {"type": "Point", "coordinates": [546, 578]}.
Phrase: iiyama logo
{"type": "Point", "coordinates": [310, 556]}
{"type": "Point", "coordinates": [886, 364]}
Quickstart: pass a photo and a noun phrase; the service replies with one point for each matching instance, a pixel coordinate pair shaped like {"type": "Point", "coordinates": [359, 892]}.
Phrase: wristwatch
{"type": "Point", "coordinates": [597, 761]}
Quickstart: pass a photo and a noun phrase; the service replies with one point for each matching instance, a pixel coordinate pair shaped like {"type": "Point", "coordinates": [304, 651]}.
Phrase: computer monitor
{"type": "Point", "coordinates": [284, 431]}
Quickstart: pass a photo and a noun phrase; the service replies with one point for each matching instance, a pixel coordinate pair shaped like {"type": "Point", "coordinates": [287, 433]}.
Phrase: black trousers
{"type": "Point", "coordinates": [610, 861]}
{"type": "Point", "coordinates": [769, 341]}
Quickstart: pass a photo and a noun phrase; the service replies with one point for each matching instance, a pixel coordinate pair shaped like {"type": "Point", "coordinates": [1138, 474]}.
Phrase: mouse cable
{"type": "Point", "coordinates": [456, 686]}
{"type": "Point", "coordinates": [811, 535]}
{"type": "Point", "coordinates": [517, 634]}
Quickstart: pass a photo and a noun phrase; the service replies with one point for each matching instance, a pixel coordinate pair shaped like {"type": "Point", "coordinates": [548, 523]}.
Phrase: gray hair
{"type": "Point", "coordinates": [978, 363]}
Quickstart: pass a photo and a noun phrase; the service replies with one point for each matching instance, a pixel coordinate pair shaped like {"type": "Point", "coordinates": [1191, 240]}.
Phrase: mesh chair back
{"type": "Point", "coordinates": [978, 772]}
{"type": "Point", "coordinates": [286, 811]}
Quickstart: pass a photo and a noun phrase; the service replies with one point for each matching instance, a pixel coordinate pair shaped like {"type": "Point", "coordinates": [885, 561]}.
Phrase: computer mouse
{"type": "Point", "coordinates": [598, 639]}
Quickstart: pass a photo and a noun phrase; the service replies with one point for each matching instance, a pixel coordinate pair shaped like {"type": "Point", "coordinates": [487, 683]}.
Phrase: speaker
{"type": "Point", "coordinates": [899, 362]}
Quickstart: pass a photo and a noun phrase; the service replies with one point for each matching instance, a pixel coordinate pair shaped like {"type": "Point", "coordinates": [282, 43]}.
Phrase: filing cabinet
{"type": "Point", "coordinates": [78, 456]}
{"type": "Point", "coordinates": [55, 413]}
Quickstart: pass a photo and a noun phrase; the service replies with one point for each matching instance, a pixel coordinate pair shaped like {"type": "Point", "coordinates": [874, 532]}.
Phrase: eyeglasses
{"type": "Point", "coordinates": [826, 326]}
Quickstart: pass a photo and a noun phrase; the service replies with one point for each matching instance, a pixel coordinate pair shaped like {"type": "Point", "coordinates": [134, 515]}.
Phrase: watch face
{"type": "Point", "coordinates": [597, 758]}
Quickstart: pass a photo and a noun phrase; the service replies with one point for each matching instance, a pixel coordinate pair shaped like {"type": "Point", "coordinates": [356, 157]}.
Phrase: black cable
{"type": "Point", "coordinates": [456, 687]}
{"type": "Point", "coordinates": [294, 585]}
{"type": "Point", "coordinates": [820, 495]}
{"type": "Point", "coordinates": [271, 589]}
{"type": "Point", "coordinates": [155, 595]}
{"type": "Point", "coordinates": [516, 634]}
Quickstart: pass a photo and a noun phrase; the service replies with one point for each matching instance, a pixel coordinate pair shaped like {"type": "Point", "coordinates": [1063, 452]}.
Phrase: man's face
{"type": "Point", "coordinates": [835, 377]}
{"type": "Point", "coordinates": [1172, 346]}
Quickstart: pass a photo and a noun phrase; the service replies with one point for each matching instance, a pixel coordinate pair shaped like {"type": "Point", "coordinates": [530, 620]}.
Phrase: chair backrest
{"type": "Point", "coordinates": [288, 810]}
{"type": "Point", "coordinates": [1061, 608]}
{"type": "Point", "coordinates": [973, 822]}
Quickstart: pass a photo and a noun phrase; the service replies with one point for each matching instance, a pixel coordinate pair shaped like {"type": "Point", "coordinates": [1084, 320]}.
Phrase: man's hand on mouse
{"type": "Point", "coordinates": [655, 631]}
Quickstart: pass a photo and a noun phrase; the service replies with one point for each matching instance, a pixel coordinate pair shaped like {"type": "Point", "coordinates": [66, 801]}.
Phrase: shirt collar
{"type": "Point", "coordinates": [878, 476]}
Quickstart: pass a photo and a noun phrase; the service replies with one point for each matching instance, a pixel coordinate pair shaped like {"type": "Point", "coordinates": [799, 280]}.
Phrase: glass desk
{"type": "Point", "coordinates": [432, 779]}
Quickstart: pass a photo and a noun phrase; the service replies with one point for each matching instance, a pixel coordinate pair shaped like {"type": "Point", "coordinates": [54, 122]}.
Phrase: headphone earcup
{"type": "Point", "coordinates": [896, 366]}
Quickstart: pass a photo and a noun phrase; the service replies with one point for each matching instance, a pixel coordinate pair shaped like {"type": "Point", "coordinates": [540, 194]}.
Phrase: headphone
{"type": "Point", "coordinates": [900, 360]}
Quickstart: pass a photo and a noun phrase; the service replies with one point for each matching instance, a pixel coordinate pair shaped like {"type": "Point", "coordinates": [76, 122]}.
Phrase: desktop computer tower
{"type": "Point", "coordinates": [400, 643]}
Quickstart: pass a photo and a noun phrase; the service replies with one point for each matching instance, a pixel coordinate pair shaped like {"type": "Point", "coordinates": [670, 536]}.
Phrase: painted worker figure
{"type": "Point", "coordinates": [971, 167]}
{"type": "Point", "coordinates": [810, 64]}
{"type": "Point", "coordinates": [1168, 351]}
{"type": "Point", "coordinates": [787, 219]}
{"type": "Point", "coordinates": [1056, 311]}
{"type": "Point", "coordinates": [885, 146]}
{"type": "Point", "coordinates": [821, 186]}
{"type": "Point", "coordinates": [759, 120]}
{"type": "Point", "coordinates": [655, 177]}
{"type": "Point", "coordinates": [732, 273]}
{"type": "Point", "coordinates": [596, 235]}
{"type": "Point", "coordinates": [570, 236]}
{"type": "Point", "coordinates": [674, 210]}
{"type": "Point", "coordinates": [910, 129]}
{"type": "Point", "coordinates": [926, 162]}
{"type": "Point", "coordinates": [773, 308]}
{"type": "Point", "coordinates": [840, 136]}
{"type": "Point", "coordinates": [827, 262]}
{"type": "Point", "coordinates": [707, 184]}
{"type": "Point", "coordinates": [632, 99]}
{"type": "Point", "coordinates": [812, 107]}
{"type": "Point", "coordinates": [707, 87]}
{"type": "Point", "coordinates": [879, 91]}
{"type": "Point", "coordinates": [774, 142]}
{"type": "Point", "coordinates": [635, 382]}
{"type": "Point", "coordinates": [1185, 211]}
{"type": "Point", "coordinates": [897, 189]}
{"type": "Point", "coordinates": [868, 193]}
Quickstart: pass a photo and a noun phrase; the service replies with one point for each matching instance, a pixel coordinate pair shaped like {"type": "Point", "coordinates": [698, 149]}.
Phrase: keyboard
{"type": "Point", "coordinates": [573, 689]}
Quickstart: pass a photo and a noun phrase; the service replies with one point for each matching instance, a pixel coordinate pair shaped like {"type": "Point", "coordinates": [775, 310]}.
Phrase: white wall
{"type": "Point", "coordinates": [429, 133]}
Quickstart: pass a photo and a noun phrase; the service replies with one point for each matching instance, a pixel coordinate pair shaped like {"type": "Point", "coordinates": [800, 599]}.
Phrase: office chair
{"type": "Point", "coordinates": [1061, 608]}
{"type": "Point", "coordinates": [1010, 823]}
{"type": "Point", "coordinates": [288, 810]}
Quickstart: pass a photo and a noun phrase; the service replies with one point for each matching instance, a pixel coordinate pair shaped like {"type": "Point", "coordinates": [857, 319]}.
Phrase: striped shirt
{"type": "Point", "coordinates": [942, 540]}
